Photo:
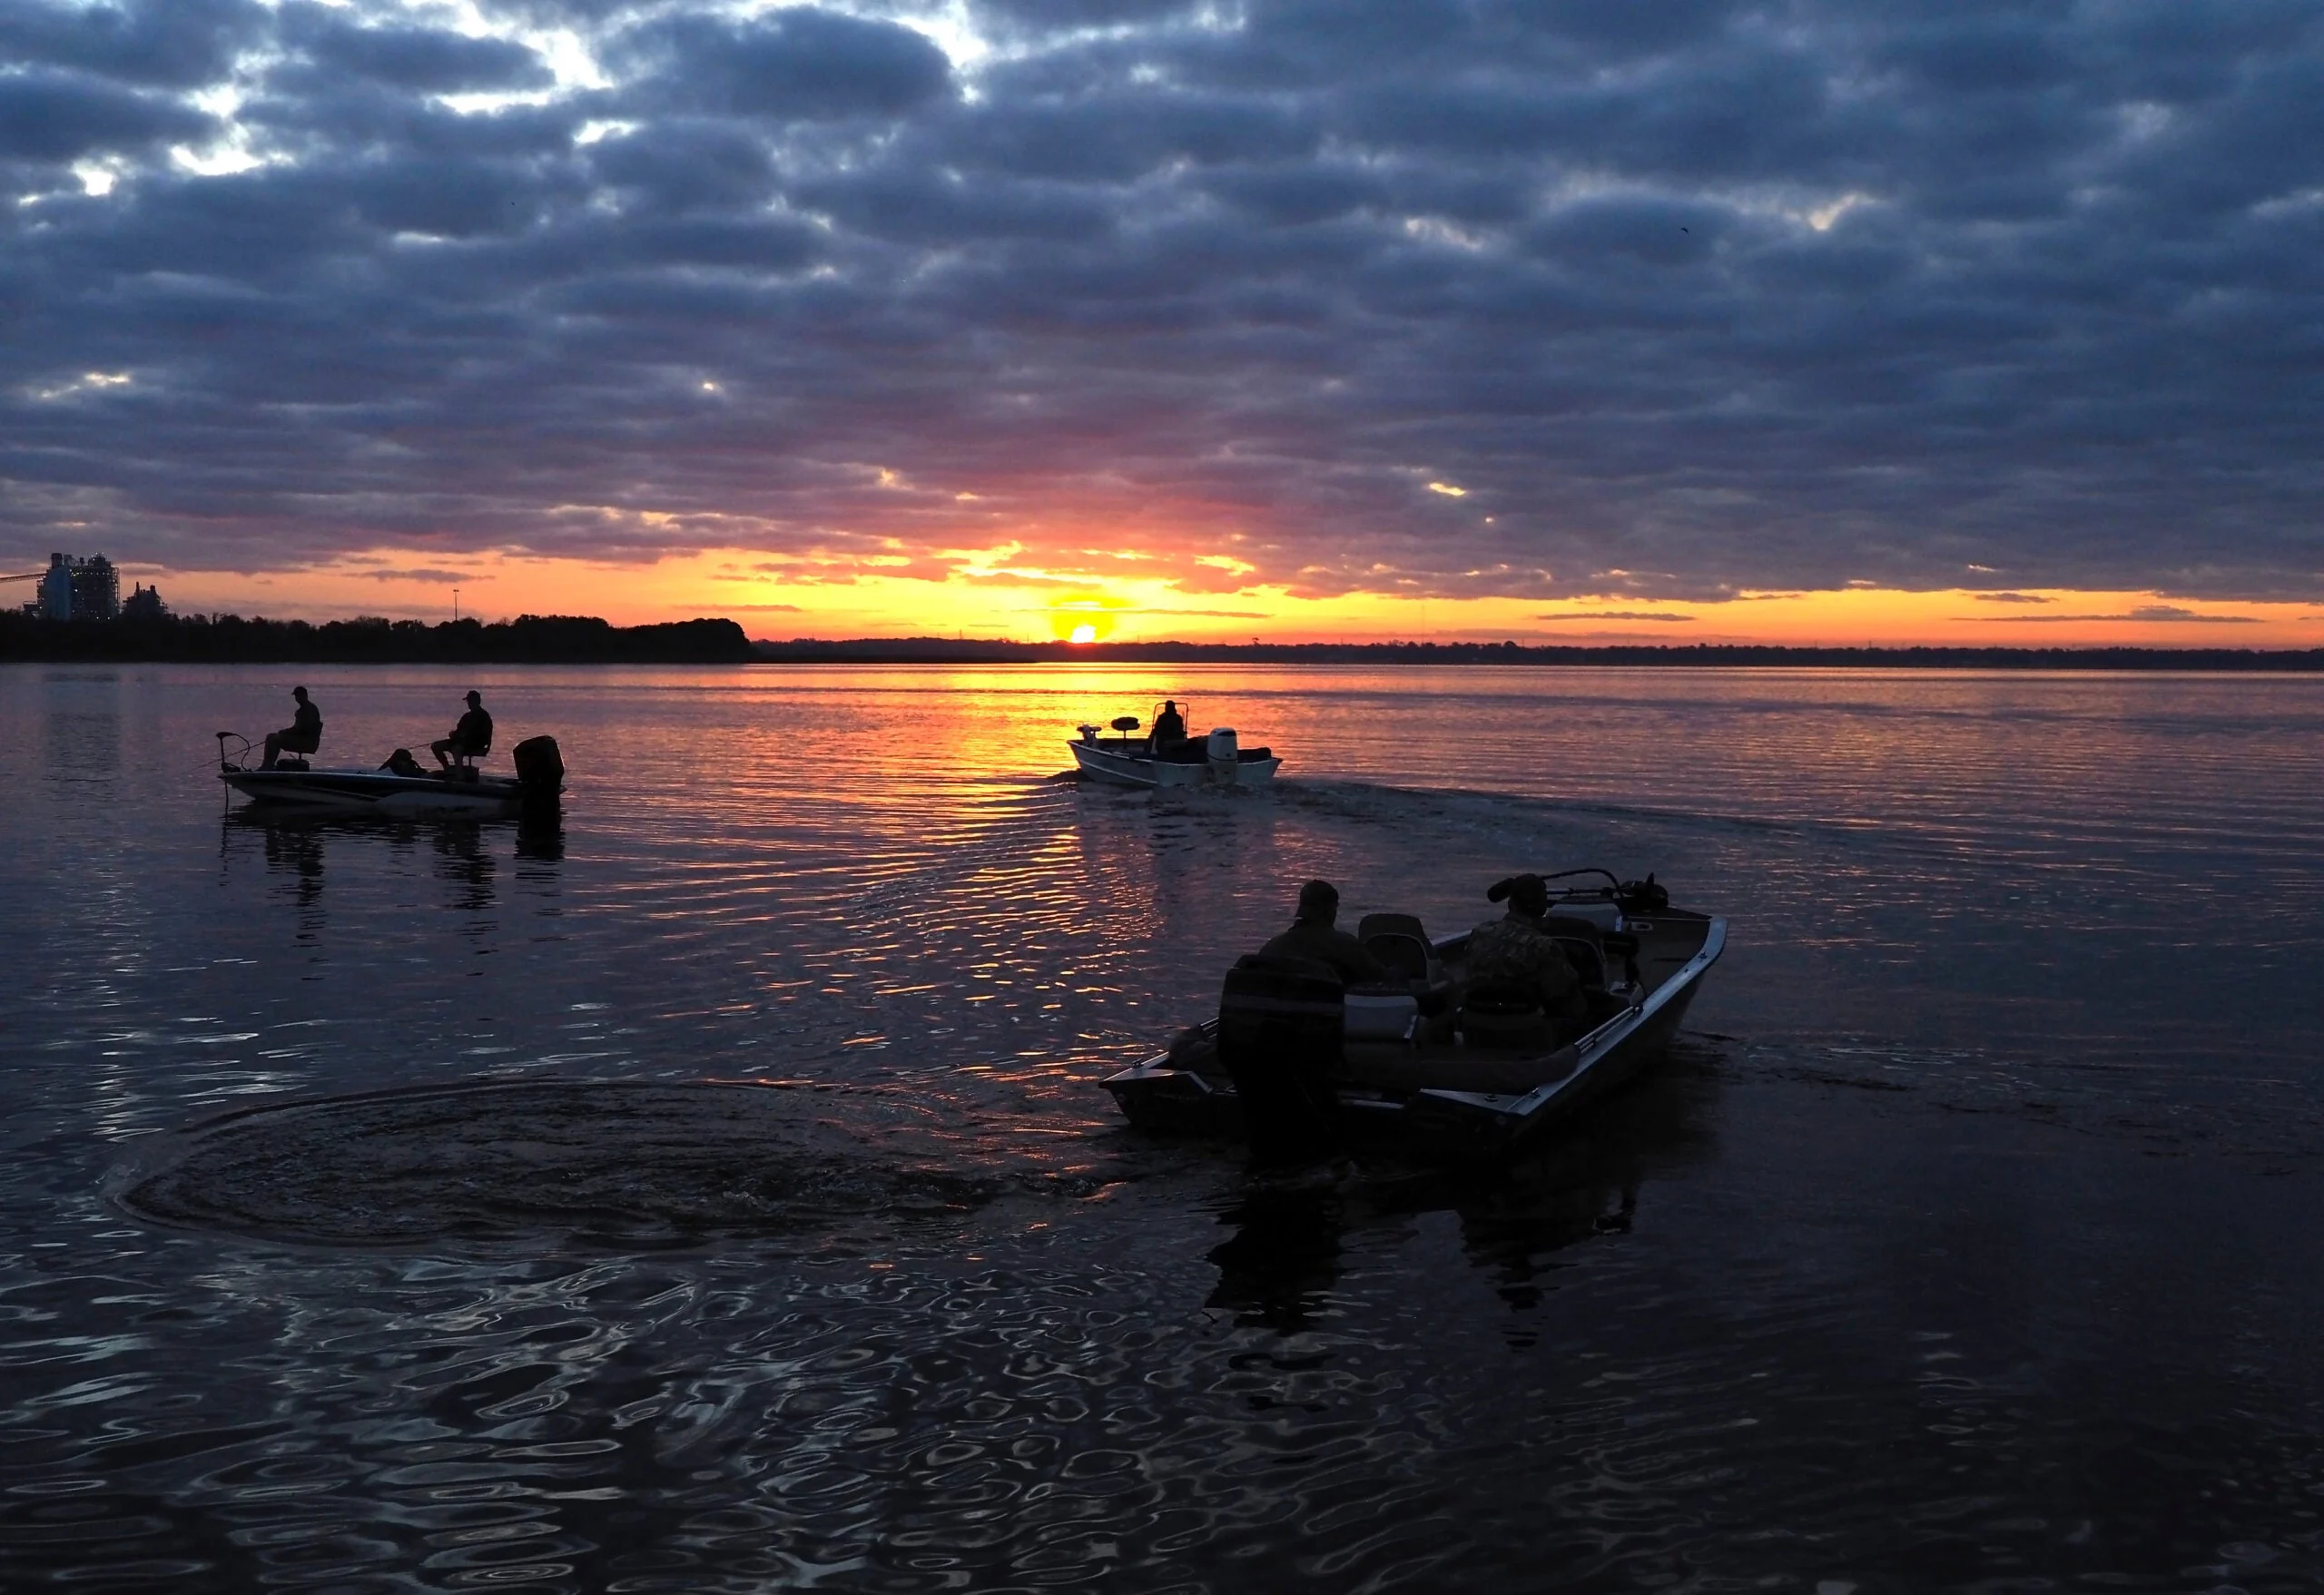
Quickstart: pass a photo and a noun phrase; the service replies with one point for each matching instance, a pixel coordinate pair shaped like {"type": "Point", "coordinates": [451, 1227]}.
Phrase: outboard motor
{"type": "Point", "coordinates": [540, 785]}
{"type": "Point", "coordinates": [540, 773]}
{"type": "Point", "coordinates": [1281, 1022]}
{"type": "Point", "coordinates": [1223, 753]}
{"type": "Point", "coordinates": [539, 765]}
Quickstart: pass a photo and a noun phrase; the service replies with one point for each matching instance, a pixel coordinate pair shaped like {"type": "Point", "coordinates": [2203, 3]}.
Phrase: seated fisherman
{"type": "Point", "coordinates": [304, 734]}
{"type": "Point", "coordinates": [470, 739]}
{"type": "Point", "coordinates": [1312, 936]}
{"type": "Point", "coordinates": [1514, 952]}
{"type": "Point", "coordinates": [1169, 727]}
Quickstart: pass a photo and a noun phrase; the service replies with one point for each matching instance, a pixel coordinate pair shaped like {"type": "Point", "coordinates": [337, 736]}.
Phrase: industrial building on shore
{"type": "Point", "coordinates": [73, 589]}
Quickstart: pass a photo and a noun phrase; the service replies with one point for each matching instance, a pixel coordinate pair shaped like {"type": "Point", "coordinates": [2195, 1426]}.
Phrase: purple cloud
{"type": "Point", "coordinates": [1642, 283]}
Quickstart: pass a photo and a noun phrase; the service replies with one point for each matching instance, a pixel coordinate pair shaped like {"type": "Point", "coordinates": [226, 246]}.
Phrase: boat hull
{"type": "Point", "coordinates": [1128, 764]}
{"type": "Point", "coordinates": [374, 791]}
{"type": "Point", "coordinates": [1444, 1125]}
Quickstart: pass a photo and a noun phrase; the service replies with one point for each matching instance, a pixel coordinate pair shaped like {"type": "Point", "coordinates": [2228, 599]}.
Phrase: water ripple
{"type": "Point", "coordinates": [1965, 1247]}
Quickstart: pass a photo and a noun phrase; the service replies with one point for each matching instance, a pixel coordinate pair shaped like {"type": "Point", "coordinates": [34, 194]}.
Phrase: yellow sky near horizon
{"type": "Point", "coordinates": [1002, 603]}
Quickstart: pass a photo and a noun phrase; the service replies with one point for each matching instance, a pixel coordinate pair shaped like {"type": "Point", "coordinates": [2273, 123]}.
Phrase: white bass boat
{"type": "Point", "coordinates": [1216, 758]}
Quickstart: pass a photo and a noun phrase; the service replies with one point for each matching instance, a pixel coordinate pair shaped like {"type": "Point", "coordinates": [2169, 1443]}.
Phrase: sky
{"type": "Point", "coordinates": [1566, 319]}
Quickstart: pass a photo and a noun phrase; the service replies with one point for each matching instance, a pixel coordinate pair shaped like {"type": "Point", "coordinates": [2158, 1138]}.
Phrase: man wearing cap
{"type": "Point", "coordinates": [470, 739]}
{"type": "Point", "coordinates": [1514, 951]}
{"type": "Point", "coordinates": [304, 734]}
{"type": "Point", "coordinates": [1312, 936]}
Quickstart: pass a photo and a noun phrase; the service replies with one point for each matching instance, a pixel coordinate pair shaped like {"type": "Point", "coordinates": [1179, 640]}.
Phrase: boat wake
{"type": "Point", "coordinates": [2265, 1120]}
{"type": "Point", "coordinates": [628, 1165]}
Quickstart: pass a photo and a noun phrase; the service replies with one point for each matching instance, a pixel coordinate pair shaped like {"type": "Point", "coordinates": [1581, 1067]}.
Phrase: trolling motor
{"type": "Point", "coordinates": [284, 760]}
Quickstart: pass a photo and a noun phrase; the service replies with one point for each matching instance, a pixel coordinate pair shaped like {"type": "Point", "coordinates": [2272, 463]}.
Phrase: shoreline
{"type": "Point", "coordinates": [1699, 657]}
{"type": "Point", "coordinates": [583, 640]}
{"type": "Point", "coordinates": [230, 639]}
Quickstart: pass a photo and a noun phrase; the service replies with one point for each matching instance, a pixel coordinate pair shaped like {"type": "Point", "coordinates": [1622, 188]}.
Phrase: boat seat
{"type": "Point", "coordinates": [1406, 957]}
{"type": "Point", "coordinates": [1373, 925]}
{"type": "Point", "coordinates": [1584, 946]}
{"type": "Point", "coordinates": [1593, 948]}
{"type": "Point", "coordinates": [1504, 1017]}
{"type": "Point", "coordinates": [1573, 926]}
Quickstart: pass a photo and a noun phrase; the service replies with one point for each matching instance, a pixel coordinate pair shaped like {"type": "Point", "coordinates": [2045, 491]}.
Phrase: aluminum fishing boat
{"type": "Point", "coordinates": [1416, 1065]}
{"type": "Point", "coordinates": [1216, 758]}
{"type": "Point", "coordinates": [292, 784]}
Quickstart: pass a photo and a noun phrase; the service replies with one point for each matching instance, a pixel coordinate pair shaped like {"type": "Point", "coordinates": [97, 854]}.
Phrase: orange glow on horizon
{"type": "Point", "coordinates": [1084, 617]}
{"type": "Point", "coordinates": [782, 600]}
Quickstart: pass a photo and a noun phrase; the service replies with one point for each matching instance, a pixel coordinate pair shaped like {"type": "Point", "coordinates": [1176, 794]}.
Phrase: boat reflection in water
{"type": "Point", "coordinates": [1279, 1268]}
{"type": "Point", "coordinates": [295, 843]}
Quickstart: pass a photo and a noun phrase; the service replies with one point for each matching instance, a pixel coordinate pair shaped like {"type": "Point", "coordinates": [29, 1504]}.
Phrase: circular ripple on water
{"type": "Point", "coordinates": [618, 1163]}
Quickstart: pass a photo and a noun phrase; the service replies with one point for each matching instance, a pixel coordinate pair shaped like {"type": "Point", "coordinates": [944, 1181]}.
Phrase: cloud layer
{"type": "Point", "coordinates": [1684, 299]}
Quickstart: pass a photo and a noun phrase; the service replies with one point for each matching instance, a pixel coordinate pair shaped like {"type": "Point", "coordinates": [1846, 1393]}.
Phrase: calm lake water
{"type": "Point", "coordinates": [1969, 1238]}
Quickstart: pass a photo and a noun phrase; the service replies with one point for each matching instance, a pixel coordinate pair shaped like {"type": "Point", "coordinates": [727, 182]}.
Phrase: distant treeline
{"type": "Point", "coordinates": [947, 651]}
{"type": "Point", "coordinates": [558, 639]}
{"type": "Point", "coordinates": [229, 639]}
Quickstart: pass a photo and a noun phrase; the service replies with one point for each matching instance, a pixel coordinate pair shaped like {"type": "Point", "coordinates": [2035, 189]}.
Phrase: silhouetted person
{"type": "Point", "coordinates": [1516, 953]}
{"type": "Point", "coordinates": [304, 734]}
{"type": "Point", "coordinates": [1312, 935]}
{"type": "Point", "coordinates": [401, 763]}
{"type": "Point", "coordinates": [470, 739]}
{"type": "Point", "coordinates": [1169, 725]}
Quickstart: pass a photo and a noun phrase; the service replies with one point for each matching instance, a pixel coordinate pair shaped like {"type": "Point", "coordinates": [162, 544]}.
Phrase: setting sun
{"type": "Point", "coordinates": [1083, 615]}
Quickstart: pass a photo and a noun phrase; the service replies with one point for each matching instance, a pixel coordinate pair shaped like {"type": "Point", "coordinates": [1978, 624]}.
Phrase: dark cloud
{"type": "Point", "coordinates": [797, 64]}
{"type": "Point", "coordinates": [1038, 18]}
{"type": "Point", "coordinates": [62, 116]}
{"type": "Point", "coordinates": [445, 197]}
{"type": "Point", "coordinates": [682, 165]}
{"type": "Point", "coordinates": [171, 44]}
{"type": "Point", "coordinates": [415, 59]}
{"type": "Point", "coordinates": [2011, 598]}
{"type": "Point", "coordinates": [1298, 194]}
{"type": "Point", "coordinates": [1618, 615]}
{"type": "Point", "coordinates": [448, 578]}
{"type": "Point", "coordinates": [2144, 612]}
{"type": "Point", "coordinates": [1689, 300]}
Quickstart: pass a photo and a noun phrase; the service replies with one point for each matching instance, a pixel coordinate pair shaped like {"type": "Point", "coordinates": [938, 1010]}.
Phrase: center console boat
{"type": "Point", "coordinates": [1214, 758]}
